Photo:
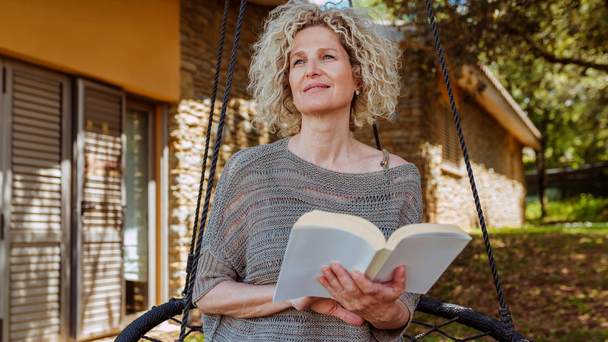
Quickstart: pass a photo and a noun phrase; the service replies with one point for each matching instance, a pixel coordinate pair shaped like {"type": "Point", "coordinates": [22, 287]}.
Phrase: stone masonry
{"type": "Point", "coordinates": [199, 29]}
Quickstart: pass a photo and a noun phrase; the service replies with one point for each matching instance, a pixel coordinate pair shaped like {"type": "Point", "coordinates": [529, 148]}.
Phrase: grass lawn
{"type": "Point", "coordinates": [555, 280]}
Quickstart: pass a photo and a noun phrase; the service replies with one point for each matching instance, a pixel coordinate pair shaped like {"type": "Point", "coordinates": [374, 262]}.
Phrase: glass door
{"type": "Point", "coordinates": [138, 230]}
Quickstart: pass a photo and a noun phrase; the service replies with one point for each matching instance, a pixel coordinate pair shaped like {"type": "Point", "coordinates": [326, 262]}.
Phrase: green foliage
{"type": "Point", "coordinates": [561, 228]}
{"type": "Point", "coordinates": [551, 55]}
{"type": "Point", "coordinates": [570, 109]}
{"type": "Point", "coordinates": [555, 64]}
{"type": "Point", "coordinates": [584, 208]}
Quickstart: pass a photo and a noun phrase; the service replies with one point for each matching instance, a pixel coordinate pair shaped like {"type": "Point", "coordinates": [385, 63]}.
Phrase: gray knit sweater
{"type": "Point", "coordinates": [262, 191]}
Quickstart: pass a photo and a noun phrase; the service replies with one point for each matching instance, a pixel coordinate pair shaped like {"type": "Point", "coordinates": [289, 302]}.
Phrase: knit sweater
{"type": "Point", "coordinates": [262, 191]}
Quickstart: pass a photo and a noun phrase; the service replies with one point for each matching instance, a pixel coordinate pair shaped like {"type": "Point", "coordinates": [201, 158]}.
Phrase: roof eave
{"type": "Point", "coordinates": [497, 101]}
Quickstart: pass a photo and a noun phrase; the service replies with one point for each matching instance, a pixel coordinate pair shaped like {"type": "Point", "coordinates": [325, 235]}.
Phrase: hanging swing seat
{"type": "Point", "coordinates": [449, 314]}
{"type": "Point", "coordinates": [446, 314]}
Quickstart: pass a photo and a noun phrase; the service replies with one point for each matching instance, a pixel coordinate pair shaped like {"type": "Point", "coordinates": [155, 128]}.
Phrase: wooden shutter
{"type": "Point", "coordinates": [36, 194]}
{"type": "Point", "coordinates": [100, 204]}
{"type": "Point", "coordinates": [447, 136]}
{"type": "Point", "coordinates": [446, 128]}
{"type": "Point", "coordinates": [451, 151]}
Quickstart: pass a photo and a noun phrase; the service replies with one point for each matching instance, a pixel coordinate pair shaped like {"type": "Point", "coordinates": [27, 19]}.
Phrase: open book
{"type": "Point", "coordinates": [319, 238]}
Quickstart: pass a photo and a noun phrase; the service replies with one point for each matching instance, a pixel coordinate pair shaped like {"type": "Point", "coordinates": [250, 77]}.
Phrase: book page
{"type": "Point", "coordinates": [425, 257]}
{"type": "Point", "coordinates": [311, 248]}
{"type": "Point", "coordinates": [424, 229]}
{"type": "Point", "coordinates": [350, 223]}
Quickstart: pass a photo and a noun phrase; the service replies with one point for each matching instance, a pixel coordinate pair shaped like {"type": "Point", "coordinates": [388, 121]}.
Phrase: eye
{"type": "Point", "coordinates": [328, 57]}
{"type": "Point", "coordinates": [298, 61]}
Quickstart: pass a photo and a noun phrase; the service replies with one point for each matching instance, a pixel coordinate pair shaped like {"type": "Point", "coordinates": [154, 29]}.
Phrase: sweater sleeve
{"type": "Point", "coordinates": [411, 212]}
{"type": "Point", "coordinates": [222, 248]}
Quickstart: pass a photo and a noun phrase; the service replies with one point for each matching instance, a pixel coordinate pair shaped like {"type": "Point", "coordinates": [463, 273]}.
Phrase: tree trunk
{"type": "Point", "coordinates": [540, 165]}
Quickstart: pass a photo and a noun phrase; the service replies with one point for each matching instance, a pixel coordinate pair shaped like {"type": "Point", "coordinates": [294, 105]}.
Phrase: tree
{"type": "Point", "coordinates": [551, 55]}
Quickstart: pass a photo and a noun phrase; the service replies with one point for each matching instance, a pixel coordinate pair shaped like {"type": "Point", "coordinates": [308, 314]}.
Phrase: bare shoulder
{"type": "Point", "coordinates": [374, 156]}
{"type": "Point", "coordinates": [395, 160]}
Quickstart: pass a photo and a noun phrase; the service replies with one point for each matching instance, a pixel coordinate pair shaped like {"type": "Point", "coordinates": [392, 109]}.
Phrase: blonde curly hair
{"type": "Point", "coordinates": [374, 60]}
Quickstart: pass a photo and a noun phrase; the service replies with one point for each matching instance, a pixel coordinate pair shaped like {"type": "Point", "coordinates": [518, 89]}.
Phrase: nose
{"type": "Point", "coordinates": [312, 68]}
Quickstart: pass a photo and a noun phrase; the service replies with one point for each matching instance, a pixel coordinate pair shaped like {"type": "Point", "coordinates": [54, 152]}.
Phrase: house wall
{"type": "Point", "coordinates": [131, 44]}
{"type": "Point", "coordinates": [497, 165]}
{"type": "Point", "coordinates": [200, 24]}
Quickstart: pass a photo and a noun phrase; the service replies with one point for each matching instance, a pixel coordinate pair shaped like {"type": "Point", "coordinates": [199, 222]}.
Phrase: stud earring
{"type": "Point", "coordinates": [357, 92]}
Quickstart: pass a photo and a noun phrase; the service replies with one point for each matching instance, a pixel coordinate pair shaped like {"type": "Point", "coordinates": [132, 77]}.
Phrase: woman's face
{"type": "Point", "coordinates": [320, 74]}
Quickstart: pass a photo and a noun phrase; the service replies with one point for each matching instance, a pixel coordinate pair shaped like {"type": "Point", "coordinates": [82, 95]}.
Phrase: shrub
{"type": "Point", "coordinates": [585, 207]}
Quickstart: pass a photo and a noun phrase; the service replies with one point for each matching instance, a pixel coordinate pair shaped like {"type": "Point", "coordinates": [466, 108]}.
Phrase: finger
{"type": "Point", "coordinates": [347, 316]}
{"type": "Point", "coordinates": [365, 285]}
{"type": "Point", "coordinates": [332, 281]}
{"type": "Point", "coordinates": [397, 285]}
{"type": "Point", "coordinates": [345, 279]}
{"type": "Point", "coordinates": [399, 278]}
{"type": "Point", "coordinates": [332, 308]}
{"type": "Point", "coordinates": [333, 292]}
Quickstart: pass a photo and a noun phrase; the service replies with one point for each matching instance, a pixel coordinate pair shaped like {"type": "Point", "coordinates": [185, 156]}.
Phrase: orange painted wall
{"type": "Point", "coordinates": [133, 44]}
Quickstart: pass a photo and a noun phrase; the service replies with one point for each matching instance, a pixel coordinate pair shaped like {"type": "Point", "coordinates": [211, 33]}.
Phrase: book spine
{"type": "Point", "coordinates": [377, 262]}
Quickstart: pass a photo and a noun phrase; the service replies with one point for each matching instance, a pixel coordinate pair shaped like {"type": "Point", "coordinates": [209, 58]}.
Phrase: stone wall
{"type": "Point", "coordinates": [187, 131]}
{"type": "Point", "coordinates": [200, 31]}
{"type": "Point", "coordinates": [496, 161]}
{"type": "Point", "coordinates": [200, 23]}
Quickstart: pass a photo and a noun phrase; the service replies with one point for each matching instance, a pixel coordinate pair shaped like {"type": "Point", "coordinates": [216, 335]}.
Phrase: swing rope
{"type": "Point", "coordinates": [504, 312]}
{"type": "Point", "coordinates": [377, 136]}
{"type": "Point", "coordinates": [216, 80]}
{"type": "Point", "coordinates": [218, 142]}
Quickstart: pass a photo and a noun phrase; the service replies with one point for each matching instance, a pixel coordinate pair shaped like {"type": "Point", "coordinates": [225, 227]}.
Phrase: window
{"type": "Point", "coordinates": [446, 129]}
{"type": "Point", "coordinates": [137, 226]}
{"type": "Point", "coordinates": [450, 143]}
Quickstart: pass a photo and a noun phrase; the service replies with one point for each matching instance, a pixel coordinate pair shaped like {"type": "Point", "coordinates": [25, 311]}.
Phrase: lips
{"type": "Point", "coordinates": [315, 85]}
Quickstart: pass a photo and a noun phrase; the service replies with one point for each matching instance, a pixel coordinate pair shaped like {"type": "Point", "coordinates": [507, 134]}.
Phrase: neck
{"type": "Point", "coordinates": [325, 140]}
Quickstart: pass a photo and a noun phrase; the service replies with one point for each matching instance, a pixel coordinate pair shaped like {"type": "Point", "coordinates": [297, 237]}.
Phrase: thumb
{"type": "Point", "coordinates": [397, 284]}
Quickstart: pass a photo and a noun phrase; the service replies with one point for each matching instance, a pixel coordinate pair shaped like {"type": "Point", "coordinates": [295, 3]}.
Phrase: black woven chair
{"type": "Point", "coordinates": [178, 309]}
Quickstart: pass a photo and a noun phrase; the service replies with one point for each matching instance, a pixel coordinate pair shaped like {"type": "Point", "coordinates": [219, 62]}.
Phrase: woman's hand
{"type": "Point", "coordinates": [327, 307]}
{"type": "Point", "coordinates": [375, 302]}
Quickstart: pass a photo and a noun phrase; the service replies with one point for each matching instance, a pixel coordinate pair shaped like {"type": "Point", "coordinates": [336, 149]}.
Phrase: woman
{"type": "Point", "coordinates": [316, 75]}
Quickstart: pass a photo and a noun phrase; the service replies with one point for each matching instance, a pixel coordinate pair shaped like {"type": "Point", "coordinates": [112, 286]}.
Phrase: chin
{"type": "Point", "coordinates": [314, 108]}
